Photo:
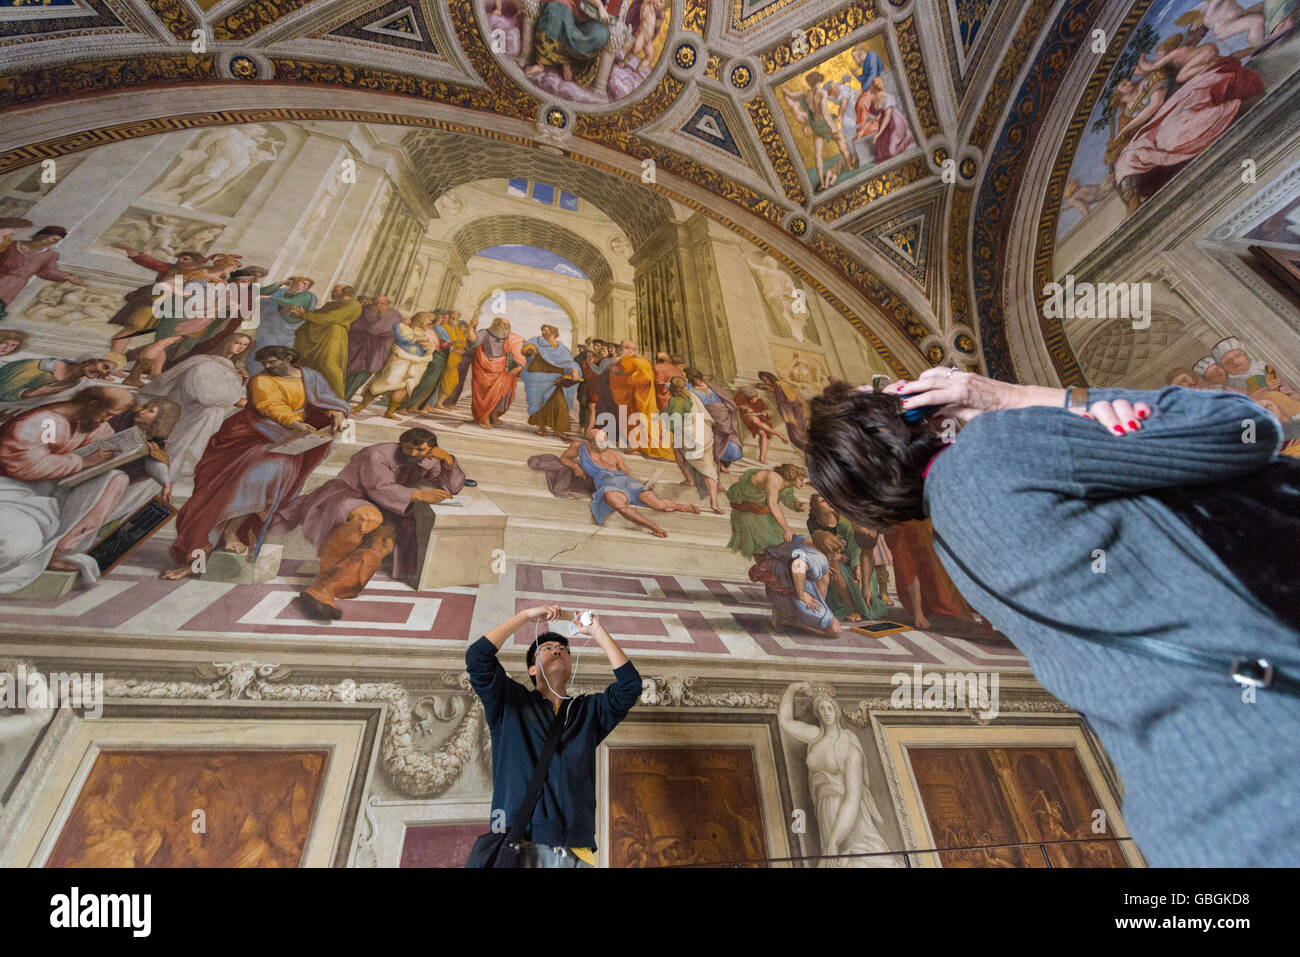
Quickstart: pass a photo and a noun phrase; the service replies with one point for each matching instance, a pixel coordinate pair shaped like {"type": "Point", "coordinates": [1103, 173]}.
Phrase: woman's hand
{"type": "Point", "coordinates": [1119, 416]}
{"type": "Point", "coordinates": [960, 395]}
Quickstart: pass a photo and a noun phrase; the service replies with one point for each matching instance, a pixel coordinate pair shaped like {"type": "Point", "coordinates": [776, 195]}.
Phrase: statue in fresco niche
{"type": "Point", "coordinates": [75, 305]}
{"type": "Point", "coordinates": [158, 237]}
{"type": "Point", "coordinates": [782, 296]}
{"type": "Point", "coordinates": [848, 820]}
{"type": "Point", "coordinates": [217, 161]}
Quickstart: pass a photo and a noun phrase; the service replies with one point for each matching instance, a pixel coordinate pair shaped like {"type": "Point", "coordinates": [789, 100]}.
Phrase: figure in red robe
{"type": "Point", "coordinates": [239, 482]}
{"type": "Point", "coordinates": [494, 379]}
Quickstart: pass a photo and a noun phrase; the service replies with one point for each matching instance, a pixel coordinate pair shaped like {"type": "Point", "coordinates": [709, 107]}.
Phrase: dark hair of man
{"type": "Point", "coordinates": [865, 459]}
{"type": "Point", "coordinates": [693, 375]}
{"type": "Point", "coordinates": [190, 254]}
{"type": "Point", "coordinates": [542, 639]}
{"type": "Point", "coordinates": [276, 352]}
{"type": "Point", "coordinates": [349, 292]}
{"type": "Point", "coordinates": [93, 399]}
{"type": "Point", "coordinates": [418, 437]}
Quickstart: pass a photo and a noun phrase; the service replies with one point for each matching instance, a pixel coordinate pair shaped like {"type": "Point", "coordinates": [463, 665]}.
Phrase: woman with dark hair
{"type": "Point", "coordinates": [1131, 552]}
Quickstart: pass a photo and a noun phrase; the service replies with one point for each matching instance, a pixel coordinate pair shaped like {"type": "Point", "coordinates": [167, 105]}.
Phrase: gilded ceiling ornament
{"type": "Point", "coordinates": [890, 304]}
{"type": "Point", "coordinates": [968, 168]}
{"type": "Point", "coordinates": [909, 47]}
{"type": "Point", "coordinates": [695, 16]}
{"type": "Point", "coordinates": [714, 70]}
{"type": "Point", "coordinates": [176, 17]}
{"type": "Point", "coordinates": [1003, 175]}
{"type": "Point", "coordinates": [828, 30]}
{"type": "Point", "coordinates": [776, 150]}
{"type": "Point", "coordinates": [244, 21]}
{"type": "Point", "coordinates": [82, 76]}
{"type": "Point", "coordinates": [958, 242]}
{"type": "Point", "coordinates": [870, 190]}
{"type": "Point", "coordinates": [741, 77]}
{"type": "Point", "coordinates": [243, 68]}
{"type": "Point", "coordinates": [739, 21]}
{"type": "Point", "coordinates": [1013, 59]}
{"type": "Point", "coordinates": [685, 56]}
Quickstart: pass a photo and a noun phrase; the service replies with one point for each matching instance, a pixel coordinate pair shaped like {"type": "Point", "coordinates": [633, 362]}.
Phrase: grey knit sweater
{"type": "Point", "coordinates": [1024, 499]}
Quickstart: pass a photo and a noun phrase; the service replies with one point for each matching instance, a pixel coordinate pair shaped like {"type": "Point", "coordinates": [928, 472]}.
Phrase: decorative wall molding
{"type": "Point", "coordinates": [412, 770]}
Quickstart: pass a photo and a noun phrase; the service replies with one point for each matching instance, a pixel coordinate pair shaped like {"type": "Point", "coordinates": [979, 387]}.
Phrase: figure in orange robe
{"type": "Point", "coordinates": [632, 384]}
{"type": "Point", "coordinates": [493, 385]}
{"type": "Point", "coordinates": [919, 574]}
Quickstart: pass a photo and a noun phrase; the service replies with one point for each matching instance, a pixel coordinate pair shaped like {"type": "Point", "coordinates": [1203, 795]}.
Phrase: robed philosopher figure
{"type": "Point", "coordinates": [322, 340]}
{"type": "Point", "coordinates": [359, 518]}
{"type": "Point", "coordinates": [632, 386]}
{"type": "Point", "coordinates": [497, 364]}
{"type": "Point", "coordinates": [239, 482]}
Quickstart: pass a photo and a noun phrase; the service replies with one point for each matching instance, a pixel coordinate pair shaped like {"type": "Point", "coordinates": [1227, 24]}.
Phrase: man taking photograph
{"type": "Point", "coordinates": [561, 831]}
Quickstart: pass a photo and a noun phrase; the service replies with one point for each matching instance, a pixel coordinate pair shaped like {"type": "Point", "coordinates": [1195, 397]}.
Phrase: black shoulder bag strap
{"type": "Point", "coordinates": [524, 816]}
{"type": "Point", "coordinates": [1247, 672]}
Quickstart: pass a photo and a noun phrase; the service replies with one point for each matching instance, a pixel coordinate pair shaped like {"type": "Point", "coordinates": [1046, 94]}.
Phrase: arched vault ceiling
{"type": "Point", "coordinates": [478, 235]}
{"type": "Point", "coordinates": [444, 161]}
{"type": "Point", "coordinates": [952, 65]}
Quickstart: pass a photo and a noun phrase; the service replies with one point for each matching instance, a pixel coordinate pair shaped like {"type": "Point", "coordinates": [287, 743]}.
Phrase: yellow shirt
{"type": "Point", "coordinates": [279, 398]}
{"type": "Point", "coordinates": [583, 854]}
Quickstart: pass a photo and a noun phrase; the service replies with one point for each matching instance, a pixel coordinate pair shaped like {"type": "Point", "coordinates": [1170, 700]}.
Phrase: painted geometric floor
{"type": "Point", "coordinates": [663, 615]}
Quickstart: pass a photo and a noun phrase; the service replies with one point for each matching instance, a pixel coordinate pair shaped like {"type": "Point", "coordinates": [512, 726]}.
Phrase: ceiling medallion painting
{"type": "Point", "coordinates": [590, 52]}
{"type": "Point", "coordinates": [1185, 76]}
{"type": "Point", "coordinates": [845, 116]}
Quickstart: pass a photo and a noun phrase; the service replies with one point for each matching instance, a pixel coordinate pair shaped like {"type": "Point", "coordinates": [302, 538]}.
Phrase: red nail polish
{"type": "Point", "coordinates": [1086, 415]}
{"type": "Point", "coordinates": [1133, 426]}
{"type": "Point", "coordinates": [904, 402]}
{"type": "Point", "coordinates": [1119, 429]}
{"type": "Point", "coordinates": [1141, 414]}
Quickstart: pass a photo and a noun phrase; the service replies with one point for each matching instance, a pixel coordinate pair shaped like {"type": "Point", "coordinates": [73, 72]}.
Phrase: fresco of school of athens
{"type": "Point", "coordinates": [323, 438]}
{"type": "Point", "coordinates": [845, 114]}
{"type": "Point", "coordinates": [1229, 366]}
{"type": "Point", "coordinates": [1188, 72]}
{"type": "Point", "coordinates": [583, 51]}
